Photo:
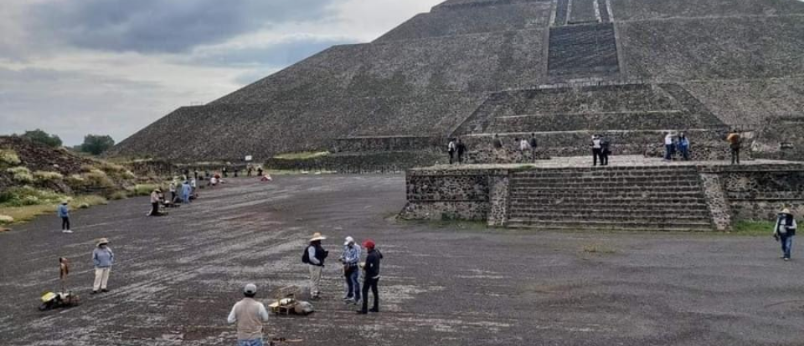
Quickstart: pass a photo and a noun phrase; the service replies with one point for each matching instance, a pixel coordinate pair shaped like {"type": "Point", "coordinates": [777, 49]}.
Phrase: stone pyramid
{"type": "Point", "coordinates": [560, 68]}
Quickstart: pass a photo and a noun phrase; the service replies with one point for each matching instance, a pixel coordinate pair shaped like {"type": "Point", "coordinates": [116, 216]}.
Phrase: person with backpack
{"type": "Point", "coordinates": [371, 277]}
{"type": "Point", "coordinates": [735, 142]}
{"type": "Point", "coordinates": [314, 255]}
{"type": "Point", "coordinates": [451, 148]}
{"type": "Point", "coordinates": [784, 231]}
{"type": "Point", "coordinates": [63, 212]}
{"type": "Point", "coordinates": [533, 145]}
{"type": "Point", "coordinates": [461, 149]}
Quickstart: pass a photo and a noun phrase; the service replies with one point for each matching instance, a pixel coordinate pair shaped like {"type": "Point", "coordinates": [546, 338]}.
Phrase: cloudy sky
{"type": "Point", "coordinates": [73, 67]}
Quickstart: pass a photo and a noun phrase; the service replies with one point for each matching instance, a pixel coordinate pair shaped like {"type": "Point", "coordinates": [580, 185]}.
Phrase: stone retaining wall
{"type": "Point", "coordinates": [475, 195]}
{"type": "Point", "coordinates": [733, 193]}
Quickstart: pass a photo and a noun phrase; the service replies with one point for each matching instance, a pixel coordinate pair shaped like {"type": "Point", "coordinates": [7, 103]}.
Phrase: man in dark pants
{"type": "Point", "coordinates": [533, 144]}
{"type": "Point", "coordinates": [461, 149]}
{"type": "Point", "coordinates": [784, 231]}
{"type": "Point", "coordinates": [605, 147]}
{"type": "Point", "coordinates": [371, 277]}
{"type": "Point", "coordinates": [596, 149]}
{"type": "Point", "coordinates": [735, 142]}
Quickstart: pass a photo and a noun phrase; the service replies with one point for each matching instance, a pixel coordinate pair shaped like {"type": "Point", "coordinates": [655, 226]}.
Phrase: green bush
{"type": "Point", "coordinates": [118, 195]}
{"type": "Point", "coordinates": [21, 175]}
{"type": "Point", "coordinates": [97, 179]}
{"type": "Point", "coordinates": [26, 195]}
{"type": "Point", "coordinates": [46, 177]}
{"type": "Point", "coordinates": [8, 158]}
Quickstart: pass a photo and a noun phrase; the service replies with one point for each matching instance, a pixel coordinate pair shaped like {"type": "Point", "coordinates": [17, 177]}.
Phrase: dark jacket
{"type": "Point", "coordinates": [788, 222]}
{"type": "Point", "coordinates": [320, 254]}
{"type": "Point", "coordinates": [373, 264]}
{"type": "Point", "coordinates": [533, 143]}
{"type": "Point", "coordinates": [461, 148]}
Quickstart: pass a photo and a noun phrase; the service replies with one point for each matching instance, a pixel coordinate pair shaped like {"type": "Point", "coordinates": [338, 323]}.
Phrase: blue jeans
{"type": "Point", "coordinates": [787, 245]}
{"type": "Point", "coordinates": [669, 150]}
{"type": "Point", "coordinates": [252, 342]}
{"type": "Point", "coordinates": [352, 283]}
{"type": "Point", "coordinates": [185, 198]}
{"type": "Point", "coordinates": [685, 152]}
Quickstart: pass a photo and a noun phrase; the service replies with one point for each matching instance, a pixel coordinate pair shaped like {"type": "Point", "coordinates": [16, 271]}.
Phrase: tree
{"type": "Point", "coordinates": [96, 144]}
{"type": "Point", "coordinates": [43, 137]}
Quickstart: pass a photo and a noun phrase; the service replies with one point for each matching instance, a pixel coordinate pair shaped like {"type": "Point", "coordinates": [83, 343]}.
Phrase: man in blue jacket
{"type": "Point", "coordinates": [64, 213]}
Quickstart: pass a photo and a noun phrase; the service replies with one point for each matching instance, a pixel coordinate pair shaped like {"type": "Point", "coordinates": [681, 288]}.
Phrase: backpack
{"type": "Point", "coordinates": [306, 256]}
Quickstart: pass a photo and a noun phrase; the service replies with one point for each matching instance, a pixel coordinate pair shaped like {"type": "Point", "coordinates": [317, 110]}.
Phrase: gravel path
{"type": "Point", "coordinates": [177, 277]}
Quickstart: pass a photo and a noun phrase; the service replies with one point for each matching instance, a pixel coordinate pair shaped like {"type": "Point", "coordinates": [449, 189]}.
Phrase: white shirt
{"type": "Point", "coordinates": [668, 140]}
{"type": "Point", "coordinates": [524, 145]}
{"type": "Point", "coordinates": [596, 143]}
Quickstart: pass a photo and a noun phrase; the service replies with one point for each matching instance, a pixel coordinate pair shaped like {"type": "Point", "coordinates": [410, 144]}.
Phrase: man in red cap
{"type": "Point", "coordinates": [371, 277]}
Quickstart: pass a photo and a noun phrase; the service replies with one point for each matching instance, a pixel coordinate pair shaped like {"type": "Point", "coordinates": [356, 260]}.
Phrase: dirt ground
{"type": "Point", "coordinates": [176, 277]}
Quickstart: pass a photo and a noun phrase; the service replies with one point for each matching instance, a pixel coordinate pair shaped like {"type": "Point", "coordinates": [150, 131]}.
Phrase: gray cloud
{"type": "Point", "coordinates": [73, 104]}
{"type": "Point", "coordinates": [149, 26]}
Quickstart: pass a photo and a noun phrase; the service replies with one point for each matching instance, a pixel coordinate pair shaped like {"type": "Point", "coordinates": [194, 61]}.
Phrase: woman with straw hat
{"type": "Point", "coordinates": [784, 231]}
{"type": "Point", "coordinates": [103, 258]}
{"type": "Point", "coordinates": [314, 255]}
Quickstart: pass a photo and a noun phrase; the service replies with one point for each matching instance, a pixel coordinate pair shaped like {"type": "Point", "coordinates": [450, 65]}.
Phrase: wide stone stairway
{"type": "Point", "coordinates": [618, 198]}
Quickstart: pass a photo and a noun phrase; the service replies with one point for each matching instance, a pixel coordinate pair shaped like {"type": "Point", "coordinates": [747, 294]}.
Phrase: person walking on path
{"type": "Point", "coordinates": [669, 147]}
{"type": "Point", "coordinates": [103, 258]}
{"type": "Point", "coordinates": [605, 150]}
{"type": "Point", "coordinates": [596, 150]}
{"type": "Point", "coordinates": [684, 146]}
{"type": "Point", "coordinates": [259, 171]}
{"type": "Point", "coordinates": [63, 212]}
{"type": "Point", "coordinates": [461, 149]}
{"type": "Point", "coordinates": [225, 172]}
{"type": "Point", "coordinates": [735, 142]}
{"type": "Point", "coordinates": [249, 315]}
{"type": "Point", "coordinates": [350, 259]}
{"type": "Point", "coordinates": [533, 145]}
{"type": "Point", "coordinates": [314, 255]}
{"type": "Point", "coordinates": [371, 277]}
{"type": "Point", "coordinates": [451, 148]}
{"type": "Point", "coordinates": [186, 190]}
{"type": "Point", "coordinates": [784, 231]}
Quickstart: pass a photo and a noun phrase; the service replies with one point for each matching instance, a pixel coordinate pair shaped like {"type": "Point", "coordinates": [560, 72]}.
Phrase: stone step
{"type": "Point", "coordinates": [592, 225]}
{"type": "Point", "coordinates": [611, 217]}
{"type": "Point", "coordinates": [538, 187]}
{"type": "Point", "coordinates": [624, 202]}
{"type": "Point", "coordinates": [635, 210]}
{"type": "Point", "coordinates": [607, 195]}
{"type": "Point", "coordinates": [604, 185]}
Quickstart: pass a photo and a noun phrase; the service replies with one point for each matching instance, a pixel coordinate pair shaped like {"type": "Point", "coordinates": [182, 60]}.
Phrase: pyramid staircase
{"type": "Point", "coordinates": [663, 198]}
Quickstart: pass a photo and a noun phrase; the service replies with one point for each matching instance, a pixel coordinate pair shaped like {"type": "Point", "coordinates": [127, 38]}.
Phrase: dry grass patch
{"type": "Point", "coordinates": [29, 212]}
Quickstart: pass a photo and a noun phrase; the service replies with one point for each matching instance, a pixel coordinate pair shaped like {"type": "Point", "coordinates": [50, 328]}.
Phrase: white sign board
{"type": "Point", "coordinates": [248, 158]}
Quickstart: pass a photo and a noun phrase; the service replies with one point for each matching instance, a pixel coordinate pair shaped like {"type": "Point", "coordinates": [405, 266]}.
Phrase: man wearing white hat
{"type": "Point", "coordinates": [314, 255]}
{"type": "Point", "coordinates": [350, 258]}
{"type": "Point", "coordinates": [249, 315]}
{"type": "Point", "coordinates": [784, 231]}
{"type": "Point", "coordinates": [103, 258]}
